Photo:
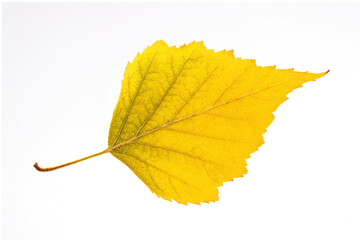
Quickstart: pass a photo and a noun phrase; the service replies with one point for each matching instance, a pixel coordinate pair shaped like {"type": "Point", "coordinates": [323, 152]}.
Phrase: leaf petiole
{"type": "Point", "coordinates": [40, 169]}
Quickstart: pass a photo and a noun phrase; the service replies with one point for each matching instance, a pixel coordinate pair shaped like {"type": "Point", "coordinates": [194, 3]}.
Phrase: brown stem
{"type": "Point", "coordinates": [40, 169]}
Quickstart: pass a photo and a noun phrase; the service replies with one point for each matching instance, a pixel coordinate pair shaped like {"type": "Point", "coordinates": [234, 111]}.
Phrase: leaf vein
{"type": "Point", "coordinates": [232, 118]}
{"type": "Point", "coordinates": [196, 114]}
{"type": "Point", "coordinates": [160, 170]}
{"type": "Point", "coordinates": [136, 94]}
{"type": "Point", "coordinates": [179, 152]}
{"type": "Point", "coordinates": [193, 94]}
{"type": "Point", "coordinates": [204, 136]}
{"type": "Point", "coordinates": [232, 83]}
{"type": "Point", "coordinates": [152, 178]}
{"type": "Point", "coordinates": [172, 185]}
{"type": "Point", "coordinates": [166, 92]}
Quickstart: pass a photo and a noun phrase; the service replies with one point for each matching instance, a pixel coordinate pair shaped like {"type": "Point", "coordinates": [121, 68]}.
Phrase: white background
{"type": "Point", "coordinates": [62, 71]}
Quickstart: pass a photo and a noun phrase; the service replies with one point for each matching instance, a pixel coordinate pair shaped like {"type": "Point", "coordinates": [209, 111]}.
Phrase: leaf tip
{"type": "Point", "coordinates": [323, 73]}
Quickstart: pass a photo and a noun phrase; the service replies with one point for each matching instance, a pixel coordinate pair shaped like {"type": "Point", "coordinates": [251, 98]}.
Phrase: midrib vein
{"type": "Point", "coordinates": [194, 115]}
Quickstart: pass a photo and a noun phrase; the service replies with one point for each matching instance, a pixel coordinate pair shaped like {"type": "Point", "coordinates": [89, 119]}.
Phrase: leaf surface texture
{"type": "Point", "coordinates": [188, 118]}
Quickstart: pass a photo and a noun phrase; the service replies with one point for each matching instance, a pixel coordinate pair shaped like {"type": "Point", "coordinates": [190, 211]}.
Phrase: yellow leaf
{"type": "Point", "coordinates": [188, 118]}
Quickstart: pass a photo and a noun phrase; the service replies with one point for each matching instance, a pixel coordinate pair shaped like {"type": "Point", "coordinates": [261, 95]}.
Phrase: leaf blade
{"type": "Point", "coordinates": [195, 117]}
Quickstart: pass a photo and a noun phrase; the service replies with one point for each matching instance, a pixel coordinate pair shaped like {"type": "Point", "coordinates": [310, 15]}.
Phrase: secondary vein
{"type": "Point", "coordinates": [136, 94]}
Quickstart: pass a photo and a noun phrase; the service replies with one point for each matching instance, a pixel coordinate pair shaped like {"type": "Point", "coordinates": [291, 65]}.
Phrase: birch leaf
{"type": "Point", "coordinates": [188, 118]}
